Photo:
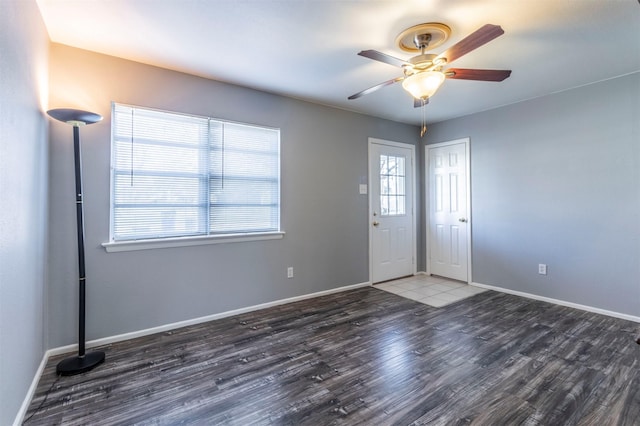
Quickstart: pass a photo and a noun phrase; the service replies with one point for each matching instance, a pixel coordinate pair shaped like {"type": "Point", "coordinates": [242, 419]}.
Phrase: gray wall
{"type": "Point", "coordinates": [324, 157]}
{"type": "Point", "coordinates": [556, 180]}
{"type": "Point", "coordinates": [23, 200]}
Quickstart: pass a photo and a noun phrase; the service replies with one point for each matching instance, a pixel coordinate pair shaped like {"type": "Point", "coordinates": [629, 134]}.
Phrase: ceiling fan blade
{"type": "Point", "coordinates": [482, 75]}
{"type": "Point", "coordinates": [471, 42]}
{"type": "Point", "coordinates": [417, 103]}
{"type": "Point", "coordinates": [383, 57]}
{"type": "Point", "coordinates": [374, 88]}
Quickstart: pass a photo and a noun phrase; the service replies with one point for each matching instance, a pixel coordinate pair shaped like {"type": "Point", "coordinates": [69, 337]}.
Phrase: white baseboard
{"type": "Point", "coordinates": [560, 302]}
{"type": "Point", "coordinates": [194, 321]}
{"type": "Point", "coordinates": [31, 391]}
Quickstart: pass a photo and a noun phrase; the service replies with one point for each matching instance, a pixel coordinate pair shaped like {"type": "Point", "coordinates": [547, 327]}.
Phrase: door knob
{"type": "Point", "coordinates": [376, 223]}
{"type": "Point", "coordinates": [462, 219]}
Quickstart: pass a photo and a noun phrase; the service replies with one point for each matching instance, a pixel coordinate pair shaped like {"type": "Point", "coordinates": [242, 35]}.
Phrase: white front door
{"type": "Point", "coordinates": [448, 233]}
{"type": "Point", "coordinates": [391, 220]}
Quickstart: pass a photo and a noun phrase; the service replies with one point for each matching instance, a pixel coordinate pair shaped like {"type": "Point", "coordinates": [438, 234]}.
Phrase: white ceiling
{"type": "Point", "coordinates": [307, 49]}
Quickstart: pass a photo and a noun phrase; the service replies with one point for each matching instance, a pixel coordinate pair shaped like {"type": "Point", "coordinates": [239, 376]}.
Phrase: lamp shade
{"type": "Point", "coordinates": [423, 84]}
{"type": "Point", "coordinates": [75, 117]}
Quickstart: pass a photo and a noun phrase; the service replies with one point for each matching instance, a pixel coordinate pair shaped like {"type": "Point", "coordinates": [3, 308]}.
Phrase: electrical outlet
{"type": "Point", "coordinates": [542, 269]}
{"type": "Point", "coordinates": [290, 272]}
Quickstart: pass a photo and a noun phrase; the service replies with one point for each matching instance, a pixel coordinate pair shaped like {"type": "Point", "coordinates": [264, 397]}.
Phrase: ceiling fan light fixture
{"type": "Point", "coordinates": [423, 84]}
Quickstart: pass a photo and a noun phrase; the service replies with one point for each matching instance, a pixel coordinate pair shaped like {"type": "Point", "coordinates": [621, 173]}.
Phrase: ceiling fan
{"type": "Point", "coordinates": [424, 73]}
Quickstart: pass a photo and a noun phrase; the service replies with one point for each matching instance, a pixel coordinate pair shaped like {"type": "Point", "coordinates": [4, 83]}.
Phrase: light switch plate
{"type": "Point", "coordinates": [363, 188]}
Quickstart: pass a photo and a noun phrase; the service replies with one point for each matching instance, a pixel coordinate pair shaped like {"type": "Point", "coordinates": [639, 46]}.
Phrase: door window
{"type": "Point", "coordinates": [392, 186]}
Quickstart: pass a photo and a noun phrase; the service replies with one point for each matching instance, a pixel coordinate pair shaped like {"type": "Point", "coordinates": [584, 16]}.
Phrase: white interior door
{"type": "Point", "coordinates": [391, 201]}
{"type": "Point", "coordinates": [449, 226]}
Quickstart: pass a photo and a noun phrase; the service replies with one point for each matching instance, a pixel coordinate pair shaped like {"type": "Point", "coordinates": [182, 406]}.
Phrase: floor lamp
{"type": "Point", "coordinates": [83, 361]}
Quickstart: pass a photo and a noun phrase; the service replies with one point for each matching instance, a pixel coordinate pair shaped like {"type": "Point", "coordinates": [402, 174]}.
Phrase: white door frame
{"type": "Point", "coordinates": [414, 248]}
{"type": "Point", "coordinates": [427, 189]}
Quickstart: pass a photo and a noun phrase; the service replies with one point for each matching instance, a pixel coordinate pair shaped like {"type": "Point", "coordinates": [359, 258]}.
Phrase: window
{"type": "Point", "coordinates": [177, 175]}
{"type": "Point", "coordinates": [392, 191]}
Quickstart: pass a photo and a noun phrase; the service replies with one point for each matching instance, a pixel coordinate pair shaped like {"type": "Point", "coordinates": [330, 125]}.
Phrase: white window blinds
{"type": "Point", "coordinates": [178, 175]}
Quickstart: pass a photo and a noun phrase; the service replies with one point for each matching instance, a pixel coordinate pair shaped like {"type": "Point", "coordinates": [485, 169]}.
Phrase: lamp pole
{"type": "Point", "coordinates": [83, 361]}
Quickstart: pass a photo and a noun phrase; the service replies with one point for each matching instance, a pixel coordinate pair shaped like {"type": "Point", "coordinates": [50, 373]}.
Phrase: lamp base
{"type": "Point", "coordinates": [77, 364]}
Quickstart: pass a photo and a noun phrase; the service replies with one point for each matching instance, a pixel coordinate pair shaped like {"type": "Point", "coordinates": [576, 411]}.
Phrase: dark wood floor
{"type": "Point", "coordinates": [364, 357]}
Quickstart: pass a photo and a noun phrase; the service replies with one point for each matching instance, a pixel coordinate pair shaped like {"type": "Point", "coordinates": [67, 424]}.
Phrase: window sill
{"type": "Point", "coordinates": [116, 246]}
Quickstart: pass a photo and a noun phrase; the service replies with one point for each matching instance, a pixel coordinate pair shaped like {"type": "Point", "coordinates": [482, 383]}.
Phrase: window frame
{"type": "Point", "coordinates": [190, 240]}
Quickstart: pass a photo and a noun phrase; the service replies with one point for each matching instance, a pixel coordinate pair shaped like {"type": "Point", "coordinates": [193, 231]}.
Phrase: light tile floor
{"type": "Point", "coordinates": [430, 290]}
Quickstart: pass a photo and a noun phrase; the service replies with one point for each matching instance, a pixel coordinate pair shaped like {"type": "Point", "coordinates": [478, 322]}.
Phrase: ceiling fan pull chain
{"type": "Point", "coordinates": [424, 119]}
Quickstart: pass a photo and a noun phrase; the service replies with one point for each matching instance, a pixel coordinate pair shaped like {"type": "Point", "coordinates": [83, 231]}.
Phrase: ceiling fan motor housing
{"type": "Point", "coordinates": [421, 63]}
